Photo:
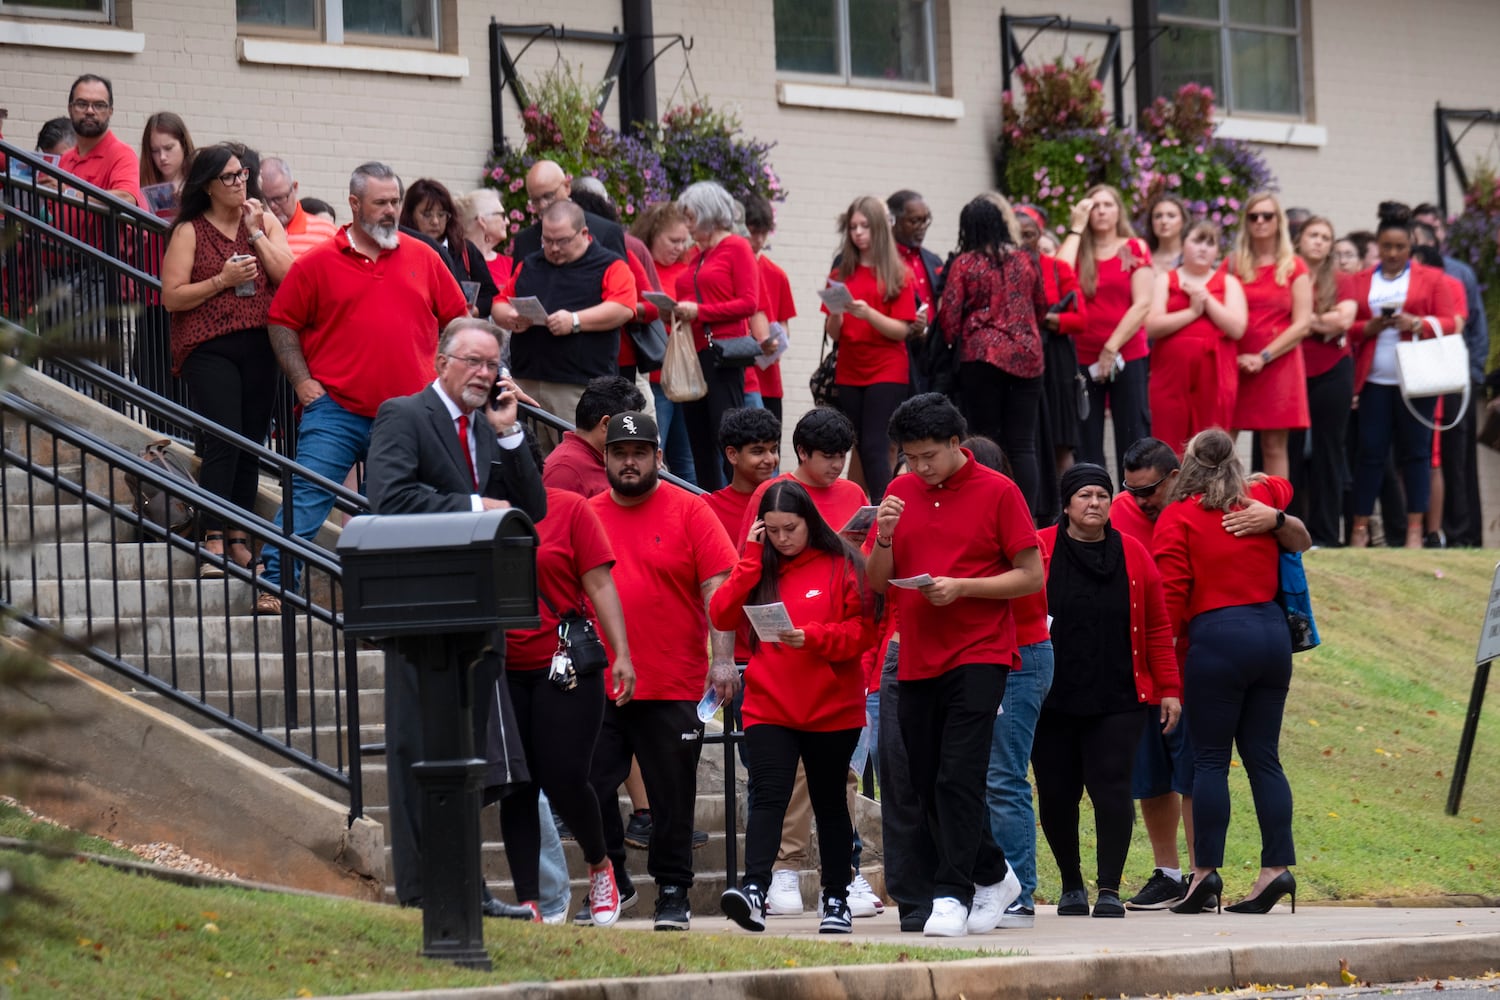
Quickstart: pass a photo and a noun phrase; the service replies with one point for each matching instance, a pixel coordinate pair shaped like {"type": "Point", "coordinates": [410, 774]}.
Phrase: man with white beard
{"type": "Point", "coordinates": [354, 324]}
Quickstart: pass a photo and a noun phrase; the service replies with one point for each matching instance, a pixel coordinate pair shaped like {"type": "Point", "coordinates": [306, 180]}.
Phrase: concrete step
{"type": "Point", "coordinates": [220, 672]}
{"type": "Point", "coordinates": [271, 704]}
{"type": "Point", "coordinates": [133, 598]}
{"type": "Point", "coordinates": [19, 487]}
{"type": "Point", "coordinates": [23, 523]}
{"type": "Point", "coordinates": [124, 561]}
{"type": "Point", "coordinates": [320, 741]}
{"type": "Point", "coordinates": [189, 636]}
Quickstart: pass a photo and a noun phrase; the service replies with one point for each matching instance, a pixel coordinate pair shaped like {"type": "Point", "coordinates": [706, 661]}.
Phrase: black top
{"type": "Point", "coordinates": [1088, 595]}
{"type": "Point", "coordinates": [577, 357]}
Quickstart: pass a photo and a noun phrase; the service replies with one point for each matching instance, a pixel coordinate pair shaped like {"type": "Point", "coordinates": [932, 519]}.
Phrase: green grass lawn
{"type": "Point", "coordinates": [1371, 734]}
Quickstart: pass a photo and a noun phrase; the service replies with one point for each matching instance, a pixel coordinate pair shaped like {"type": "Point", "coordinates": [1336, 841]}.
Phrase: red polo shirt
{"type": "Point", "coordinates": [575, 466]}
{"type": "Point", "coordinates": [368, 328]}
{"type": "Point", "coordinates": [110, 165]}
{"type": "Point", "coordinates": [305, 231]}
{"type": "Point", "coordinates": [1128, 518]}
{"type": "Point", "coordinates": [665, 548]}
{"type": "Point", "coordinates": [972, 524]}
{"type": "Point", "coordinates": [913, 258]}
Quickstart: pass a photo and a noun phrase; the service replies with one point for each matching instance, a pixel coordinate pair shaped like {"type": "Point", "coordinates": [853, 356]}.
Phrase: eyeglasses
{"type": "Point", "coordinates": [231, 178]}
{"type": "Point", "coordinates": [1260, 216]}
{"type": "Point", "coordinates": [277, 199]}
{"type": "Point", "coordinates": [558, 244]}
{"type": "Point", "coordinates": [434, 215]}
{"type": "Point", "coordinates": [543, 201]}
{"type": "Point", "coordinates": [96, 106]}
{"type": "Point", "coordinates": [474, 362]}
{"type": "Point", "coordinates": [1142, 492]}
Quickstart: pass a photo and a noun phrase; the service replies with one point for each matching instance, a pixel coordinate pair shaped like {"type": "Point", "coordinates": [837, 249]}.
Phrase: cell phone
{"type": "Point", "coordinates": [1387, 311]}
{"type": "Point", "coordinates": [497, 389]}
{"type": "Point", "coordinates": [237, 258]}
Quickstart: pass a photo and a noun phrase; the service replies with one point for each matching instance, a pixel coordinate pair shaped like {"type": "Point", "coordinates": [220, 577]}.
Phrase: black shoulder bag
{"type": "Point", "coordinates": [728, 352]}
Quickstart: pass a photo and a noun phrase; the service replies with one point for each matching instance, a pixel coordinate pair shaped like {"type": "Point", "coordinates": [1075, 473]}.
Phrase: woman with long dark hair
{"type": "Point", "coordinates": [804, 691]}
{"type": "Point", "coordinates": [873, 375]}
{"type": "Point", "coordinates": [1112, 660]}
{"type": "Point", "coordinates": [225, 255]}
{"type": "Point", "coordinates": [1219, 545]}
{"type": "Point", "coordinates": [1330, 387]}
{"type": "Point", "coordinates": [166, 150]}
{"type": "Point", "coordinates": [429, 209]}
{"type": "Point", "coordinates": [992, 307]}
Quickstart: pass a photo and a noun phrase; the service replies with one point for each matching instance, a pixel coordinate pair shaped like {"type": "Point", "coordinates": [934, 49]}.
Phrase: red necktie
{"type": "Point", "coordinates": [463, 446]}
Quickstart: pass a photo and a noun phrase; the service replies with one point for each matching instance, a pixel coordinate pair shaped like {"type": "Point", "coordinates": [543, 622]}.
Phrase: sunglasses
{"type": "Point", "coordinates": [1141, 492]}
{"type": "Point", "coordinates": [1260, 216]}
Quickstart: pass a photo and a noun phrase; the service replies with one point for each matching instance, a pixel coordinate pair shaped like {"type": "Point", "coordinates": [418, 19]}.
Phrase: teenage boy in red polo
{"type": "Point", "coordinates": [822, 440]}
{"type": "Point", "coordinates": [751, 439]}
{"type": "Point", "coordinates": [968, 529]}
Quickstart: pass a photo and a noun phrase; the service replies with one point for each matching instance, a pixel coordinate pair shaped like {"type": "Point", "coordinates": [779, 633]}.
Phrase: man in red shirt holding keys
{"type": "Point", "coordinates": [953, 544]}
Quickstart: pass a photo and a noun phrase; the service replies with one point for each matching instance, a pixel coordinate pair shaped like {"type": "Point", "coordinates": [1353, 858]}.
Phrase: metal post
{"type": "Point", "coordinates": [1466, 741]}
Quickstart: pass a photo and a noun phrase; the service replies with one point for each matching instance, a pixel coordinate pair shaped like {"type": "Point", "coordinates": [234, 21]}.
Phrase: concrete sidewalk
{"type": "Point", "coordinates": [1068, 957]}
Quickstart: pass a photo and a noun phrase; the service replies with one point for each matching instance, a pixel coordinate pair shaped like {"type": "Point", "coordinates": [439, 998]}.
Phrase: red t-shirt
{"type": "Point", "coordinates": [837, 503]}
{"type": "Point", "coordinates": [575, 466]}
{"type": "Point", "coordinates": [729, 506]}
{"type": "Point", "coordinates": [727, 289]}
{"type": "Point", "coordinates": [820, 687]}
{"type": "Point", "coordinates": [776, 302]}
{"type": "Point", "coordinates": [666, 547]}
{"type": "Point", "coordinates": [1319, 355]}
{"type": "Point", "coordinates": [1128, 518]}
{"type": "Point", "coordinates": [1109, 303]}
{"type": "Point", "coordinates": [867, 357]}
{"type": "Point", "coordinates": [973, 524]}
{"type": "Point", "coordinates": [571, 541]}
{"type": "Point", "coordinates": [110, 165]}
{"type": "Point", "coordinates": [1204, 567]}
{"type": "Point", "coordinates": [369, 329]}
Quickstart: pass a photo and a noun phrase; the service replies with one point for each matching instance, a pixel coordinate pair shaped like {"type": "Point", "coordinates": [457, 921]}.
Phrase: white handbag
{"type": "Point", "coordinates": [1438, 366]}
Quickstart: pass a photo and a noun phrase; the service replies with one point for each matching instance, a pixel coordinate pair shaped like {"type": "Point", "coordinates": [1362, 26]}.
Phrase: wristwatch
{"type": "Point", "coordinates": [256, 235]}
{"type": "Point", "coordinates": [1280, 519]}
{"type": "Point", "coordinates": [576, 324]}
{"type": "Point", "coordinates": [1265, 357]}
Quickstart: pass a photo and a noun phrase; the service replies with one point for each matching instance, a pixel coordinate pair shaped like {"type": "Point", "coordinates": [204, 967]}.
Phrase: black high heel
{"type": "Point", "coordinates": [1281, 885]}
{"type": "Point", "coordinates": [1196, 901]}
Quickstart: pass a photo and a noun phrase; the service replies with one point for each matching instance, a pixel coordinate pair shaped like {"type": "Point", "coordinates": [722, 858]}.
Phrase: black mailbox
{"type": "Point", "coordinates": [416, 574]}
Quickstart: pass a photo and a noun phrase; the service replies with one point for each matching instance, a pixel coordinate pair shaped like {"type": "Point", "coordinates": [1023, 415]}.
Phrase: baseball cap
{"type": "Point", "coordinates": [631, 426]}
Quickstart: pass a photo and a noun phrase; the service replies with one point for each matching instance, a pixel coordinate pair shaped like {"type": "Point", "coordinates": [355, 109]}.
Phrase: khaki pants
{"type": "Point", "coordinates": [559, 399]}
{"type": "Point", "coordinates": [796, 828]}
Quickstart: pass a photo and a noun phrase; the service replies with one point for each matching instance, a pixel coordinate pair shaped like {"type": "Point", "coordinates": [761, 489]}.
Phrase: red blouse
{"type": "Point", "coordinates": [993, 310]}
{"type": "Point", "coordinates": [725, 282]}
{"type": "Point", "coordinates": [1112, 298]}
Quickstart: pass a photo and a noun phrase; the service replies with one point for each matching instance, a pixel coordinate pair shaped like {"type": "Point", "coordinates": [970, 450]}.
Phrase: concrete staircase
{"type": "Point", "coordinates": [160, 619]}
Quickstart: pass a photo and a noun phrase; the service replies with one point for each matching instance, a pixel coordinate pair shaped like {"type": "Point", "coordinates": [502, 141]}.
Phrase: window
{"type": "Point", "coordinates": [73, 10]}
{"type": "Point", "coordinates": [870, 42]}
{"type": "Point", "coordinates": [373, 21]}
{"type": "Point", "coordinates": [1249, 51]}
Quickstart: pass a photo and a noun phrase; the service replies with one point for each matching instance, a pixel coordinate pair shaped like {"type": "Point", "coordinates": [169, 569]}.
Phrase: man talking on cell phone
{"type": "Point", "coordinates": [455, 446]}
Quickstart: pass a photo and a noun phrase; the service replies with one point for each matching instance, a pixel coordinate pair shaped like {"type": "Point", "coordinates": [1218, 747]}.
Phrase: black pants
{"type": "Point", "coordinates": [1463, 521]}
{"type": "Point", "coordinates": [152, 361]}
{"type": "Point", "coordinates": [558, 729]}
{"type": "Point", "coordinates": [948, 723]}
{"type": "Point", "coordinates": [726, 391]}
{"type": "Point", "coordinates": [774, 753]}
{"type": "Point", "coordinates": [1319, 458]}
{"type": "Point", "coordinates": [1006, 410]}
{"type": "Point", "coordinates": [1239, 666]}
{"type": "Point", "coordinates": [1130, 405]}
{"type": "Point", "coordinates": [232, 381]}
{"type": "Point", "coordinates": [905, 836]}
{"type": "Point", "coordinates": [869, 408]}
{"type": "Point", "coordinates": [1071, 753]}
{"type": "Point", "coordinates": [665, 737]}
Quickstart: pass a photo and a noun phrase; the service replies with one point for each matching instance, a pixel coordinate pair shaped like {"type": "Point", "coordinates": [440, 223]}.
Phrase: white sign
{"type": "Point", "coordinates": [1489, 635]}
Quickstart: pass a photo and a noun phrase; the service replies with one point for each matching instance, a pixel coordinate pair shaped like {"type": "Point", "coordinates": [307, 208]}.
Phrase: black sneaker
{"type": "Point", "coordinates": [1435, 540]}
{"type": "Point", "coordinates": [746, 907]}
{"type": "Point", "coordinates": [1160, 891]}
{"type": "Point", "coordinates": [638, 830]}
{"type": "Point", "coordinates": [672, 910]}
{"type": "Point", "coordinates": [1017, 915]}
{"type": "Point", "coordinates": [836, 916]}
{"type": "Point", "coordinates": [914, 920]}
{"type": "Point", "coordinates": [628, 898]}
{"type": "Point", "coordinates": [700, 839]}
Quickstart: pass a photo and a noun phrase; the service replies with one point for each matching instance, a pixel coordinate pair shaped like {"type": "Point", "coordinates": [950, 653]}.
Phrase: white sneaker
{"type": "Point", "coordinates": [860, 906]}
{"type": "Point", "coordinates": [990, 902]}
{"type": "Point", "coordinates": [861, 890]}
{"type": "Point", "coordinates": [785, 897]}
{"type": "Point", "coordinates": [949, 918]}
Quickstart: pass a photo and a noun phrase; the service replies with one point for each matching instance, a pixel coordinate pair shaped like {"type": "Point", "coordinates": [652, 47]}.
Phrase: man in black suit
{"type": "Point", "coordinates": [446, 449]}
{"type": "Point", "coordinates": [547, 183]}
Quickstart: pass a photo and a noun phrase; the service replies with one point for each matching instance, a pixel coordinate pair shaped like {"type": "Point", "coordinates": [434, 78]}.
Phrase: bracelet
{"type": "Point", "coordinates": [1075, 232]}
{"type": "Point", "coordinates": [883, 542]}
{"type": "Point", "coordinates": [218, 281]}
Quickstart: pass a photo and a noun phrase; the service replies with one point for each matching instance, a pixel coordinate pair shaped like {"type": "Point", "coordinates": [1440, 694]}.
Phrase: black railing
{"type": "Point", "coordinates": [128, 594]}
{"type": "Point", "coordinates": [74, 257]}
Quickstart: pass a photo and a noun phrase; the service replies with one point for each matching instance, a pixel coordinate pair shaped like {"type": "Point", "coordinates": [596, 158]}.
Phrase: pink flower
{"type": "Point", "coordinates": [517, 184]}
{"type": "Point", "coordinates": [1199, 177]}
{"type": "Point", "coordinates": [1226, 180]}
{"type": "Point", "coordinates": [1078, 157]}
{"type": "Point", "coordinates": [1174, 180]}
{"type": "Point", "coordinates": [515, 213]}
{"type": "Point", "coordinates": [1234, 203]}
{"type": "Point", "coordinates": [1095, 85]}
{"type": "Point", "coordinates": [497, 174]}
{"type": "Point", "coordinates": [1217, 217]}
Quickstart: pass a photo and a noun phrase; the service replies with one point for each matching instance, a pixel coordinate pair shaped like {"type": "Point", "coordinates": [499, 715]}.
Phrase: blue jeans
{"type": "Point", "coordinates": [676, 449]}
{"type": "Point", "coordinates": [552, 870]}
{"type": "Point", "coordinates": [330, 440]}
{"type": "Point", "coordinates": [755, 401]}
{"type": "Point", "coordinates": [1384, 422]}
{"type": "Point", "coordinates": [865, 749]}
{"type": "Point", "coordinates": [1008, 791]}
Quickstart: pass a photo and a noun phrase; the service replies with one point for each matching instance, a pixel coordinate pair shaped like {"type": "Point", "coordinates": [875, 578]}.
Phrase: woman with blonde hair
{"type": "Point", "coordinates": [1116, 278]}
{"type": "Point", "coordinates": [873, 375]}
{"type": "Point", "coordinates": [1273, 383]}
{"type": "Point", "coordinates": [482, 218]}
{"type": "Point", "coordinates": [1218, 545]}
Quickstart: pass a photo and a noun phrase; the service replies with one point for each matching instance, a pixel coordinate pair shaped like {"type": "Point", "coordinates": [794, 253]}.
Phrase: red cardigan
{"type": "Point", "coordinates": [1426, 295]}
{"type": "Point", "coordinates": [820, 687]}
{"type": "Point", "coordinates": [1156, 675]}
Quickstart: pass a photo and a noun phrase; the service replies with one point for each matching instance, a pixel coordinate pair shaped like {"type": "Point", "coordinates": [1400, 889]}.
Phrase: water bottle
{"type": "Point", "coordinates": [709, 704]}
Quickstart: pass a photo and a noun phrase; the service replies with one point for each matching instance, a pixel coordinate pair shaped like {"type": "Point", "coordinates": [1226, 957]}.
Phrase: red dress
{"type": "Point", "coordinates": [1110, 301]}
{"type": "Point", "coordinates": [1193, 372]}
{"type": "Point", "coordinates": [1275, 398]}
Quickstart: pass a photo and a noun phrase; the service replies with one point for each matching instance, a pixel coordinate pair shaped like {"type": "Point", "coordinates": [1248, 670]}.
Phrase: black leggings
{"type": "Point", "coordinates": [558, 729]}
{"type": "Point", "coordinates": [232, 381]}
{"type": "Point", "coordinates": [1319, 480]}
{"type": "Point", "coordinates": [726, 391]}
{"type": "Point", "coordinates": [774, 752]}
{"type": "Point", "coordinates": [1005, 409]}
{"type": "Point", "coordinates": [869, 408]}
{"type": "Point", "coordinates": [1071, 753]}
{"type": "Point", "coordinates": [1129, 403]}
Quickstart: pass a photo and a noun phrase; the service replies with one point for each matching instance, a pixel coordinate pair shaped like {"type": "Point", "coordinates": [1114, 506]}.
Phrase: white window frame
{"type": "Point", "coordinates": [18, 8]}
{"type": "Point", "coordinates": [843, 76]}
{"type": "Point", "coordinates": [1223, 25]}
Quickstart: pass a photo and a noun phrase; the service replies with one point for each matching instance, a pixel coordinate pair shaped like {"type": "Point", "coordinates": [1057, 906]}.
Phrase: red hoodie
{"type": "Point", "coordinates": [820, 687]}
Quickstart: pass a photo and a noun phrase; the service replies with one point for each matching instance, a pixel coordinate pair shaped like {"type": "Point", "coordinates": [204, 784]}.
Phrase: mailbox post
{"type": "Point", "coordinates": [433, 589]}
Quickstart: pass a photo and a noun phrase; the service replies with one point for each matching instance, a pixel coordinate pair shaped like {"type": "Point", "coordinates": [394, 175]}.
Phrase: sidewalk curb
{"type": "Point", "coordinates": [1023, 978]}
